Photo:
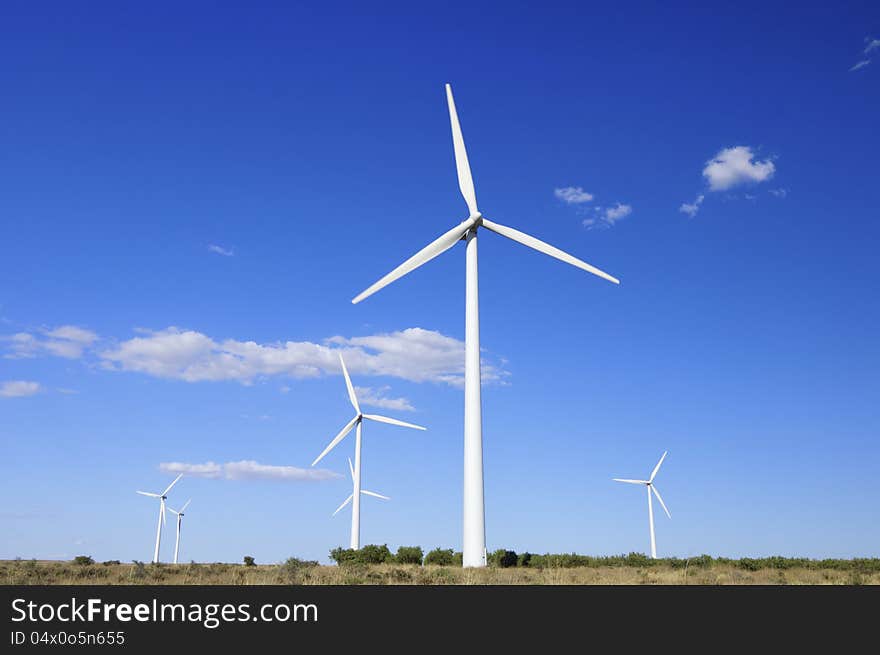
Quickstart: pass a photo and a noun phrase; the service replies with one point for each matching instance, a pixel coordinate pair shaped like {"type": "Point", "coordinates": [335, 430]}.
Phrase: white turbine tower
{"type": "Point", "coordinates": [474, 546]}
{"type": "Point", "coordinates": [649, 483]}
{"type": "Point", "coordinates": [363, 491]}
{"type": "Point", "coordinates": [162, 496]}
{"type": "Point", "coordinates": [356, 473]}
{"type": "Point", "coordinates": [179, 514]}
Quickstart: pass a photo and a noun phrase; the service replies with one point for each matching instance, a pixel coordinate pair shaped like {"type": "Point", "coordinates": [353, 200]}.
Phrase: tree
{"type": "Point", "coordinates": [373, 554]}
{"type": "Point", "coordinates": [440, 557]}
{"type": "Point", "coordinates": [409, 555]}
{"type": "Point", "coordinates": [249, 561]}
{"type": "Point", "coordinates": [83, 560]}
{"type": "Point", "coordinates": [503, 558]}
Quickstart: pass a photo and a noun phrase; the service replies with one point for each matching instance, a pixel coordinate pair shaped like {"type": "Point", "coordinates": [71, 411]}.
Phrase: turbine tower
{"type": "Point", "coordinates": [649, 483]}
{"type": "Point", "coordinates": [349, 499]}
{"type": "Point", "coordinates": [162, 497]}
{"type": "Point", "coordinates": [356, 472]}
{"type": "Point", "coordinates": [179, 514]}
{"type": "Point", "coordinates": [474, 546]}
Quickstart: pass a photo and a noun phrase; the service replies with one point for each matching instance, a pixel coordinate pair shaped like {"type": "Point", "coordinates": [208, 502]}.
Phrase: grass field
{"type": "Point", "coordinates": [32, 572]}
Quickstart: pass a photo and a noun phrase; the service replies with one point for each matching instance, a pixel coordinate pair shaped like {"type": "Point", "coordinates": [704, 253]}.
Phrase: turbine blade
{"type": "Point", "coordinates": [185, 505]}
{"type": "Point", "coordinates": [657, 468]}
{"type": "Point", "coordinates": [351, 469]}
{"type": "Point", "coordinates": [546, 248]}
{"type": "Point", "coordinates": [339, 437]}
{"type": "Point", "coordinates": [465, 181]}
{"type": "Point", "coordinates": [392, 421]}
{"type": "Point", "coordinates": [374, 494]}
{"type": "Point", "coordinates": [657, 493]}
{"type": "Point", "coordinates": [437, 247]}
{"type": "Point", "coordinates": [147, 493]}
{"type": "Point", "coordinates": [172, 511]}
{"type": "Point", "coordinates": [351, 396]}
{"type": "Point", "coordinates": [630, 481]}
{"type": "Point", "coordinates": [347, 501]}
{"type": "Point", "coordinates": [165, 493]}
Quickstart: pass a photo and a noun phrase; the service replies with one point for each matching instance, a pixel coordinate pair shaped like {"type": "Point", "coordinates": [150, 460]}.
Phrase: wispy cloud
{"type": "Point", "coordinates": [573, 195]}
{"type": "Point", "coordinates": [779, 193]}
{"type": "Point", "coordinates": [67, 341]}
{"type": "Point", "coordinates": [19, 388]}
{"type": "Point", "coordinates": [377, 398]}
{"type": "Point", "coordinates": [220, 250]}
{"type": "Point", "coordinates": [67, 392]}
{"type": "Point", "coordinates": [860, 64]}
{"type": "Point", "coordinates": [732, 167]}
{"type": "Point", "coordinates": [248, 469]}
{"type": "Point", "coordinates": [692, 208]}
{"type": "Point", "coordinates": [607, 216]}
{"type": "Point", "coordinates": [871, 44]}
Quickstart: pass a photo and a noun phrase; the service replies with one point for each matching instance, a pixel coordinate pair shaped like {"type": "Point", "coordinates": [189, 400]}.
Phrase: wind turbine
{"type": "Point", "coordinates": [162, 496]}
{"type": "Point", "coordinates": [356, 471]}
{"type": "Point", "coordinates": [474, 546]}
{"type": "Point", "coordinates": [363, 491]}
{"type": "Point", "coordinates": [179, 514]}
{"type": "Point", "coordinates": [649, 483]}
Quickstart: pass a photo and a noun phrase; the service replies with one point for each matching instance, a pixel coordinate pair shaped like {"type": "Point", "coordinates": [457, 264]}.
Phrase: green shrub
{"type": "Point", "coordinates": [440, 557]}
{"type": "Point", "coordinates": [112, 562]}
{"type": "Point", "coordinates": [409, 555]}
{"type": "Point", "coordinates": [83, 560]}
{"type": "Point", "coordinates": [249, 561]}
{"type": "Point", "coordinates": [503, 559]}
{"type": "Point", "coordinates": [373, 554]}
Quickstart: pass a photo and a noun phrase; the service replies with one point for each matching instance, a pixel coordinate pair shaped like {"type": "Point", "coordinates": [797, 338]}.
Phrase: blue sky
{"type": "Point", "coordinates": [190, 197]}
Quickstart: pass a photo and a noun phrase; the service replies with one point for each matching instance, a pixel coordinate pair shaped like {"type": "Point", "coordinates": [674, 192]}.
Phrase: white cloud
{"type": "Point", "coordinates": [871, 44]}
{"type": "Point", "coordinates": [691, 209]}
{"type": "Point", "coordinates": [376, 398]}
{"type": "Point", "coordinates": [779, 193]}
{"type": "Point", "coordinates": [734, 166]}
{"type": "Point", "coordinates": [18, 388]}
{"type": "Point", "coordinates": [220, 250]}
{"type": "Point", "coordinates": [67, 341]}
{"type": "Point", "coordinates": [860, 64]}
{"type": "Point", "coordinates": [573, 195]}
{"type": "Point", "coordinates": [607, 216]}
{"type": "Point", "coordinates": [248, 469]}
{"type": "Point", "coordinates": [73, 333]}
{"type": "Point", "coordinates": [413, 354]}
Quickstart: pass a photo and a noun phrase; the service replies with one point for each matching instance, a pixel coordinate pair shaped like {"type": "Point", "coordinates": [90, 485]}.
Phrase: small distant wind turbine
{"type": "Point", "coordinates": [162, 496]}
{"type": "Point", "coordinates": [363, 491]}
{"type": "Point", "coordinates": [179, 514]}
{"type": "Point", "coordinates": [356, 471]}
{"type": "Point", "coordinates": [474, 533]}
{"type": "Point", "coordinates": [649, 483]}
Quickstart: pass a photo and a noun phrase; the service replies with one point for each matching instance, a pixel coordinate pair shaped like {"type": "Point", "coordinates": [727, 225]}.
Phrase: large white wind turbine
{"type": "Point", "coordinates": [356, 473]}
{"type": "Point", "coordinates": [649, 483]}
{"type": "Point", "coordinates": [474, 546]}
{"type": "Point", "coordinates": [162, 497]}
{"type": "Point", "coordinates": [363, 491]}
{"type": "Point", "coordinates": [179, 514]}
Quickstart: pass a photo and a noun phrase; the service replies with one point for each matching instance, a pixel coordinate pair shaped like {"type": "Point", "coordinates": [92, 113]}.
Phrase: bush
{"type": "Point", "coordinates": [343, 555]}
{"type": "Point", "coordinates": [525, 559]}
{"type": "Point", "coordinates": [409, 555]}
{"type": "Point", "coordinates": [440, 557]}
{"type": "Point", "coordinates": [112, 562]}
{"type": "Point", "coordinates": [372, 554]}
{"type": "Point", "coordinates": [83, 560]}
{"type": "Point", "coordinates": [249, 561]}
{"type": "Point", "coordinates": [503, 558]}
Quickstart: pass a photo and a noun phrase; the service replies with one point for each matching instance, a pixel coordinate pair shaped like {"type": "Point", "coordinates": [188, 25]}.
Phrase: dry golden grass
{"type": "Point", "coordinates": [30, 572]}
